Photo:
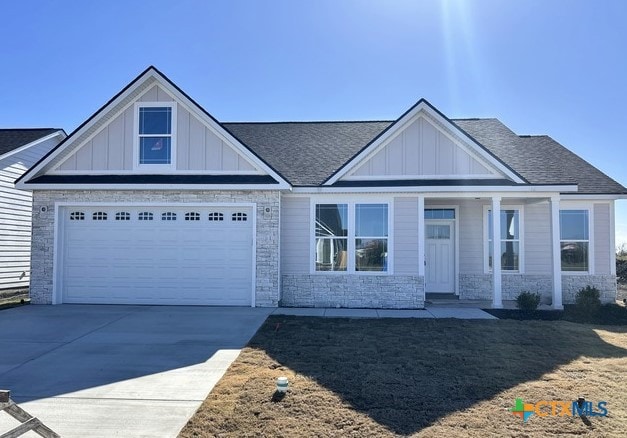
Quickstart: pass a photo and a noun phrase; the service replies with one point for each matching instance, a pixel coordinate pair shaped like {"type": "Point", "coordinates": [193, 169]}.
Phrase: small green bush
{"type": "Point", "coordinates": [528, 301]}
{"type": "Point", "coordinates": [588, 303]}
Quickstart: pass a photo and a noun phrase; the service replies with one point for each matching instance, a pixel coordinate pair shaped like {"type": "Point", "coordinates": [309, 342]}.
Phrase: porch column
{"type": "Point", "coordinates": [555, 248]}
{"type": "Point", "coordinates": [497, 297]}
{"type": "Point", "coordinates": [421, 235]}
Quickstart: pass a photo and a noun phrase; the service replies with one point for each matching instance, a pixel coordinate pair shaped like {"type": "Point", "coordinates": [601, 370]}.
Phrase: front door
{"type": "Point", "coordinates": [440, 256]}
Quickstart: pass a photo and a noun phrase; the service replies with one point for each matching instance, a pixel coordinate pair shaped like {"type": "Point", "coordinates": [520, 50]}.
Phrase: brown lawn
{"type": "Point", "coordinates": [435, 378]}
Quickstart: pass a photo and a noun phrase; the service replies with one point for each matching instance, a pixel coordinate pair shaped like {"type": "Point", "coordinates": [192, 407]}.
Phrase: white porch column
{"type": "Point", "coordinates": [421, 235]}
{"type": "Point", "coordinates": [555, 247]}
{"type": "Point", "coordinates": [497, 296]}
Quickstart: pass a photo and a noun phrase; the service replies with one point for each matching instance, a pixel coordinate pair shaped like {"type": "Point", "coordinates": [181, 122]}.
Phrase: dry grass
{"type": "Point", "coordinates": [440, 378]}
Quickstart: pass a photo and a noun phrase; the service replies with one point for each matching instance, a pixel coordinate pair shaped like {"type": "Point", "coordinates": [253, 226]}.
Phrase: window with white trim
{"type": "Point", "coordinates": [155, 133]}
{"type": "Point", "coordinates": [99, 216]}
{"type": "Point", "coordinates": [122, 216]}
{"type": "Point", "coordinates": [331, 232]}
{"type": "Point", "coordinates": [77, 216]}
{"type": "Point", "coordinates": [371, 237]}
{"type": "Point", "coordinates": [510, 233]}
{"type": "Point", "coordinates": [351, 237]}
{"type": "Point", "coordinates": [575, 240]}
{"type": "Point", "coordinates": [216, 216]}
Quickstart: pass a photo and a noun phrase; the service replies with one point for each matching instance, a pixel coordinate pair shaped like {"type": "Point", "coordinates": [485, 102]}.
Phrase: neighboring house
{"type": "Point", "coordinates": [153, 201]}
{"type": "Point", "coordinates": [19, 149]}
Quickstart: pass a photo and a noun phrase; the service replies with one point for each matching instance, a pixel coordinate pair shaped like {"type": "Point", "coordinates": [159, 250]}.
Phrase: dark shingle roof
{"type": "Point", "coordinates": [539, 159]}
{"type": "Point", "coordinates": [307, 153]}
{"type": "Point", "coordinates": [11, 139]}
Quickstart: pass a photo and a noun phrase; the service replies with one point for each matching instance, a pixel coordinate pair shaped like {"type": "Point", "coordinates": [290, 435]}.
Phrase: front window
{"type": "Point", "coordinates": [510, 240]}
{"type": "Point", "coordinates": [331, 237]}
{"type": "Point", "coordinates": [155, 135]}
{"type": "Point", "coordinates": [371, 237]}
{"type": "Point", "coordinates": [574, 240]}
{"type": "Point", "coordinates": [351, 237]}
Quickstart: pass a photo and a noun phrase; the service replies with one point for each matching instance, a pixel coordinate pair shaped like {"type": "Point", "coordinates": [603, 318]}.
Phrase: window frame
{"type": "Point", "coordinates": [521, 239]}
{"type": "Point", "coordinates": [566, 206]}
{"type": "Point", "coordinates": [137, 166]}
{"type": "Point", "coordinates": [351, 234]}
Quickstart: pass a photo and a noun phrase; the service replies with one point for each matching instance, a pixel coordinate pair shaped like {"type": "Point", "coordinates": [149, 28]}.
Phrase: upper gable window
{"type": "Point", "coordinates": [155, 133]}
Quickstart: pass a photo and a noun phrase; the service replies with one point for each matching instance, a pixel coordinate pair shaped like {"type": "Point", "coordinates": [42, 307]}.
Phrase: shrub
{"type": "Point", "coordinates": [621, 271]}
{"type": "Point", "coordinates": [528, 301]}
{"type": "Point", "coordinates": [588, 303]}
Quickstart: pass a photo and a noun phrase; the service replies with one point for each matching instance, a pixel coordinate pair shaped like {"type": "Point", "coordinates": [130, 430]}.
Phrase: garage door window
{"type": "Point", "coordinates": [168, 216]}
{"type": "Point", "coordinates": [145, 216]}
{"type": "Point", "coordinates": [122, 216]}
{"type": "Point", "coordinates": [239, 217]}
{"type": "Point", "coordinates": [77, 216]}
{"type": "Point", "coordinates": [216, 216]}
{"type": "Point", "coordinates": [192, 216]}
{"type": "Point", "coordinates": [99, 216]}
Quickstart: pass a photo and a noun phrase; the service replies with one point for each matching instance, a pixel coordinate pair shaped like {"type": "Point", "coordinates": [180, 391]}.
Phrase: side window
{"type": "Point", "coordinates": [574, 240]}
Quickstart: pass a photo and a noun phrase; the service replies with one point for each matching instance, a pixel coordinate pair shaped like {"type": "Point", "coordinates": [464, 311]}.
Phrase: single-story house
{"type": "Point", "coordinates": [19, 150]}
{"type": "Point", "coordinates": [153, 201]}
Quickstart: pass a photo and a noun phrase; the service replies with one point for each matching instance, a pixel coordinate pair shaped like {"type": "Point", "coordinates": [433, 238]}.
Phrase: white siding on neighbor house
{"type": "Point", "coordinates": [421, 150]}
{"type": "Point", "coordinates": [295, 235]}
{"type": "Point", "coordinates": [405, 254]}
{"type": "Point", "coordinates": [15, 216]}
{"type": "Point", "coordinates": [537, 238]}
{"type": "Point", "coordinates": [602, 246]}
{"type": "Point", "coordinates": [197, 146]}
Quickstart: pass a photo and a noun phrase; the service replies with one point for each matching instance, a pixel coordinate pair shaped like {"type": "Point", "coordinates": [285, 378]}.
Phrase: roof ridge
{"type": "Point", "coordinates": [295, 122]}
{"type": "Point", "coordinates": [29, 129]}
{"type": "Point", "coordinates": [533, 135]}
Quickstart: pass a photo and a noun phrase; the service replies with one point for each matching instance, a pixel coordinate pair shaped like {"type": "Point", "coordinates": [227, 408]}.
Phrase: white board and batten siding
{"type": "Point", "coordinates": [198, 148]}
{"type": "Point", "coordinates": [15, 215]}
{"type": "Point", "coordinates": [295, 235]}
{"type": "Point", "coordinates": [602, 244]}
{"type": "Point", "coordinates": [422, 150]}
{"type": "Point", "coordinates": [406, 236]}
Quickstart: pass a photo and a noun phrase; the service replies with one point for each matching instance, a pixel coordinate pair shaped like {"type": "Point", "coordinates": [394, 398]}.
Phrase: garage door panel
{"type": "Point", "coordinates": [157, 261]}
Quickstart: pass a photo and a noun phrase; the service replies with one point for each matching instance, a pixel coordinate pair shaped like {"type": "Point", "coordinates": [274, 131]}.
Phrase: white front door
{"type": "Point", "coordinates": [440, 256]}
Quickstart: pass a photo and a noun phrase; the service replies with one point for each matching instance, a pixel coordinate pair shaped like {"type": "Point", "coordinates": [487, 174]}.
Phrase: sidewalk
{"type": "Point", "coordinates": [430, 312]}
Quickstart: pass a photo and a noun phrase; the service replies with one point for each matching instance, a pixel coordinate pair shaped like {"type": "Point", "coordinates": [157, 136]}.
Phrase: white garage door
{"type": "Point", "coordinates": [157, 255]}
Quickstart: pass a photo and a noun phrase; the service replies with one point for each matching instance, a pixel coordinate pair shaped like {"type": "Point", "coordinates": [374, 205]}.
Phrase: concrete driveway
{"type": "Point", "coordinates": [125, 371]}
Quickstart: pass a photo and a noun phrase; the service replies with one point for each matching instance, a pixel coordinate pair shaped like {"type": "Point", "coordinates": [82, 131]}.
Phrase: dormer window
{"type": "Point", "coordinates": [155, 134]}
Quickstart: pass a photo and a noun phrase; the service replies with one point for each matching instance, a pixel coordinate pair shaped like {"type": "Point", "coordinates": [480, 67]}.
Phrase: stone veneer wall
{"type": "Point", "coordinates": [606, 284]}
{"type": "Point", "coordinates": [353, 291]}
{"type": "Point", "coordinates": [267, 255]}
{"type": "Point", "coordinates": [479, 286]}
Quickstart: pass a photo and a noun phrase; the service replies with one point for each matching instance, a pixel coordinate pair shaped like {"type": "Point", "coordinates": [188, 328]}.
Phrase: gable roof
{"type": "Point", "coordinates": [120, 100]}
{"type": "Point", "coordinates": [11, 139]}
{"type": "Point", "coordinates": [307, 153]}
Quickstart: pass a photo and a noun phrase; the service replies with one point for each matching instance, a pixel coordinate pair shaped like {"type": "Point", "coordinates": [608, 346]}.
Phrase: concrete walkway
{"type": "Point", "coordinates": [128, 371]}
{"type": "Point", "coordinates": [429, 312]}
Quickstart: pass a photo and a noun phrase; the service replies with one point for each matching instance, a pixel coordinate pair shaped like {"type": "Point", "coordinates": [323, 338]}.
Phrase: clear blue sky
{"type": "Point", "coordinates": [540, 66]}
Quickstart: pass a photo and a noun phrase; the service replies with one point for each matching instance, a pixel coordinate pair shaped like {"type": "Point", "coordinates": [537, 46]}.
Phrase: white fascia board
{"type": "Point", "coordinates": [59, 133]}
{"type": "Point", "coordinates": [123, 187]}
{"type": "Point", "coordinates": [458, 191]}
{"type": "Point", "coordinates": [138, 83]}
{"type": "Point", "coordinates": [399, 124]}
{"type": "Point", "coordinates": [591, 197]}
